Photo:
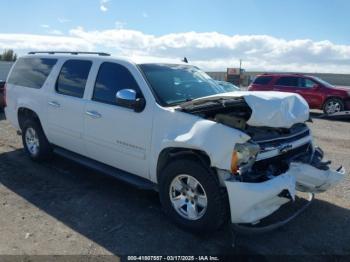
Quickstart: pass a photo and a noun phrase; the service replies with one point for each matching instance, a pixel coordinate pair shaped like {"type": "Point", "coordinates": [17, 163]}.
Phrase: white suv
{"type": "Point", "coordinates": [172, 128]}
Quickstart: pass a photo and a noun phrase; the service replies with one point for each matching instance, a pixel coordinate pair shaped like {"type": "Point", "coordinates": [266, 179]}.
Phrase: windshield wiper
{"type": "Point", "coordinates": [216, 100]}
{"type": "Point", "coordinates": [180, 102]}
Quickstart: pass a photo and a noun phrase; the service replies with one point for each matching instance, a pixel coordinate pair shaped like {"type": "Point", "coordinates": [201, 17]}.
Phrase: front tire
{"type": "Point", "coordinates": [192, 197]}
{"type": "Point", "coordinates": [35, 143]}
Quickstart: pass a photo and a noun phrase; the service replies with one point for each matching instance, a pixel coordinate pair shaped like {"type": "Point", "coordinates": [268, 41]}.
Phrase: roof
{"type": "Point", "coordinates": [105, 56]}
{"type": "Point", "coordinates": [282, 74]}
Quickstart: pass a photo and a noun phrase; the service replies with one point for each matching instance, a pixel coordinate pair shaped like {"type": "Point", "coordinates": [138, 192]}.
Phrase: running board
{"type": "Point", "coordinates": [129, 178]}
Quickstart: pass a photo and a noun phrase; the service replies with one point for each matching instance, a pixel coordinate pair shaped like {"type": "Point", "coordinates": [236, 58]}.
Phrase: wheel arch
{"type": "Point", "coordinates": [331, 97]}
{"type": "Point", "coordinates": [24, 113]}
{"type": "Point", "coordinates": [175, 153]}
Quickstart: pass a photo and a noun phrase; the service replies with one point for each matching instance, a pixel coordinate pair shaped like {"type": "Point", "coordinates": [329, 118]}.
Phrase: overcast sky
{"type": "Point", "coordinates": [294, 35]}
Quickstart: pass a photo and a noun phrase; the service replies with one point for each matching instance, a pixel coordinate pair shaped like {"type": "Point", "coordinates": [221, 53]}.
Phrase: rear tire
{"type": "Point", "coordinates": [333, 105]}
{"type": "Point", "coordinates": [35, 143]}
{"type": "Point", "coordinates": [200, 209]}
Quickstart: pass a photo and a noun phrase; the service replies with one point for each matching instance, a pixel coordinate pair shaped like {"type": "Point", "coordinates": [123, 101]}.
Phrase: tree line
{"type": "Point", "coordinates": [8, 55]}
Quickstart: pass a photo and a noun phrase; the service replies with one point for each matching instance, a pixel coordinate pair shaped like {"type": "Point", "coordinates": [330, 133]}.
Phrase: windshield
{"type": "Point", "coordinates": [228, 86]}
{"type": "Point", "coordinates": [175, 84]}
{"type": "Point", "coordinates": [323, 82]}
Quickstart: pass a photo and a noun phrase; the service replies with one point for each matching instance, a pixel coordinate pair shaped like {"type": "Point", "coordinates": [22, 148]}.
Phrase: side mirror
{"type": "Point", "coordinates": [316, 86]}
{"type": "Point", "coordinates": [128, 98]}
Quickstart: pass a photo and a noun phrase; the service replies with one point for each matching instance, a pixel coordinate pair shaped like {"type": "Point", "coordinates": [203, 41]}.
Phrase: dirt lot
{"type": "Point", "coordinates": [63, 208]}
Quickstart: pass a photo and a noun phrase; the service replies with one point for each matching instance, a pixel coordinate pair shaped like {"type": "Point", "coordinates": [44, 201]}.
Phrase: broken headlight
{"type": "Point", "coordinates": [243, 157]}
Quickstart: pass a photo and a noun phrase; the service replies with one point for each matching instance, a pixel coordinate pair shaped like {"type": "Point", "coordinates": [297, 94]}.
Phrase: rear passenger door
{"type": "Point", "coordinates": [115, 135]}
{"type": "Point", "coordinates": [286, 84]}
{"type": "Point", "coordinates": [65, 106]}
{"type": "Point", "coordinates": [262, 83]}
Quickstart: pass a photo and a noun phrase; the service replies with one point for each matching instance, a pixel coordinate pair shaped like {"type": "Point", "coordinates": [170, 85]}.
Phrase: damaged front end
{"type": "Point", "coordinates": [283, 166]}
{"type": "Point", "coordinates": [277, 161]}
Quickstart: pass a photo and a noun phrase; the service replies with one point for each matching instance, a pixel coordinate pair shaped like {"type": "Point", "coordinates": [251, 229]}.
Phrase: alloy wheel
{"type": "Point", "coordinates": [188, 197]}
{"type": "Point", "coordinates": [333, 107]}
{"type": "Point", "coordinates": [32, 141]}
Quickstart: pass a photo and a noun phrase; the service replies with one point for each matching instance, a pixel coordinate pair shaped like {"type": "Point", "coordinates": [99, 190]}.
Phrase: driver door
{"type": "Point", "coordinates": [115, 135]}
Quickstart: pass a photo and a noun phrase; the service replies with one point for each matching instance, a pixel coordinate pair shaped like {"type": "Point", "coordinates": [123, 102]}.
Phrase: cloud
{"type": "Point", "coordinates": [27, 42]}
{"type": "Point", "coordinates": [145, 15]}
{"type": "Point", "coordinates": [120, 24]}
{"type": "Point", "coordinates": [104, 5]}
{"type": "Point", "coordinates": [215, 51]}
{"type": "Point", "coordinates": [55, 32]}
{"type": "Point", "coordinates": [63, 20]}
{"type": "Point", "coordinates": [210, 51]}
{"type": "Point", "coordinates": [51, 31]}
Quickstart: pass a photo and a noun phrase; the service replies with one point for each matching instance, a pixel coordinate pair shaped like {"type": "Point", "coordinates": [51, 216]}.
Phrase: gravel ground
{"type": "Point", "coordinates": [60, 208]}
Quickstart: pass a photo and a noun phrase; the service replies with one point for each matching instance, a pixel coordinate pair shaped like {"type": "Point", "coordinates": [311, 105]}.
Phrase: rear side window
{"type": "Point", "coordinates": [112, 78]}
{"type": "Point", "coordinates": [287, 81]}
{"type": "Point", "coordinates": [31, 72]}
{"type": "Point", "coordinates": [72, 78]}
{"type": "Point", "coordinates": [262, 80]}
{"type": "Point", "coordinates": [306, 83]}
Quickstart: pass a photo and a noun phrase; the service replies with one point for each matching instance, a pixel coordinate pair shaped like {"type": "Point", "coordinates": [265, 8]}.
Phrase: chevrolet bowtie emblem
{"type": "Point", "coordinates": [285, 148]}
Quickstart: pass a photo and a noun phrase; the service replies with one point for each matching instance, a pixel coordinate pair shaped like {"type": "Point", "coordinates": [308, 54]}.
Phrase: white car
{"type": "Point", "coordinates": [172, 128]}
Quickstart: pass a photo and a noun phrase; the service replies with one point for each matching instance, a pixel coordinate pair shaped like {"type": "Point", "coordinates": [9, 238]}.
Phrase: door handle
{"type": "Point", "coordinates": [54, 104]}
{"type": "Point", "coordinates": [93, 114]}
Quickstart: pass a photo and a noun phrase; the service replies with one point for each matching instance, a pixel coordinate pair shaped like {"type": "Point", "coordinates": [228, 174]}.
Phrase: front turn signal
{"type": "Point", "coordinates": [234, 162]}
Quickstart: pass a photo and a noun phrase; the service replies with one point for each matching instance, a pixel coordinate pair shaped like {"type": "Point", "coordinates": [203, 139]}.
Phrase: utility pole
{"type": "Point", "coordinates": [240, 70]}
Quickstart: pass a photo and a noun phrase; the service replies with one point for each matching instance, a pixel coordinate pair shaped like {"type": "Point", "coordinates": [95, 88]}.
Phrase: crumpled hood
{"type": "Point", "coordinates": [272, 109]}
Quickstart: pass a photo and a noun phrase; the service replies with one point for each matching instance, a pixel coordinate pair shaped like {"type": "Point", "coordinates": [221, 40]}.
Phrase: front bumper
{"type": "Point", "coordinates": [251, 202]}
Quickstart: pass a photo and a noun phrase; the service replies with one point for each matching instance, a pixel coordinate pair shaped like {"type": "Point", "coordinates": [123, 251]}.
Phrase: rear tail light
{"type": "Point", "coordinates": [5, 103]}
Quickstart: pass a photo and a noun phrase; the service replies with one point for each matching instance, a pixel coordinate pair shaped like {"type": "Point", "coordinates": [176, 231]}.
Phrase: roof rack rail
{"type": "Point", "coordinates": [68, 52]}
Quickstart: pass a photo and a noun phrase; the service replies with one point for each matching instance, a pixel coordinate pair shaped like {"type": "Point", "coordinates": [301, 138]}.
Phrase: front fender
{"type": "Point", "coordinates": [193, 132]}
{"type": "Point", "coordinates": [216, 140]}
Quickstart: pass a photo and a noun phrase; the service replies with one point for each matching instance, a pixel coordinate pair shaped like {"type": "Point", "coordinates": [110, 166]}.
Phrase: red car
{"type": "Point", "coordinates": [318, 93]}
{"type": "Point", "coordinates": [2, 95]}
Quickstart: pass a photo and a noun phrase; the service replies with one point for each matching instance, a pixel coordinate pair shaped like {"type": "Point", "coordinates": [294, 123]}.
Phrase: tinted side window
{"type": "Point", "coordinates": [262, 80]}
{"type": "Point", "coordinates": [287, 81]}
{"type": "Point", "coordinates": [73, 77]}
{"type": "Point", "coordinates": [306, 83]}
{"type": "Point", "coordinates": [31, 72]}
{"type": "Point", "coordinates": [112, 78]}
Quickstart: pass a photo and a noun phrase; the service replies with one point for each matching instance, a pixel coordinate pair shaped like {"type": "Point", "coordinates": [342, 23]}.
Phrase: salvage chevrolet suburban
{"type": "Point", "coordinates": [211, 154]}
